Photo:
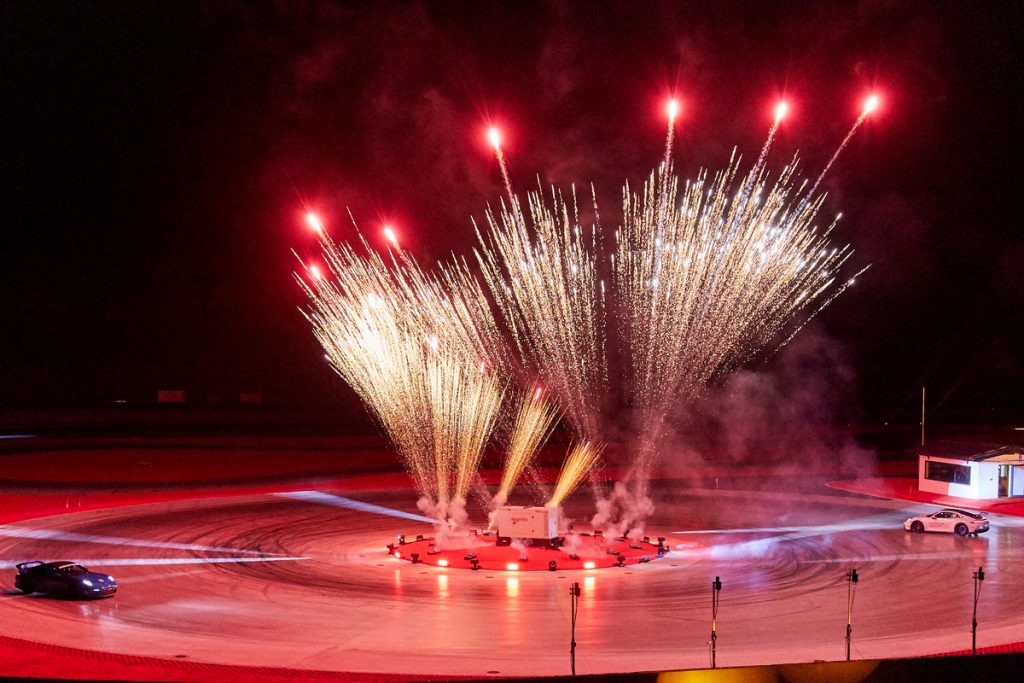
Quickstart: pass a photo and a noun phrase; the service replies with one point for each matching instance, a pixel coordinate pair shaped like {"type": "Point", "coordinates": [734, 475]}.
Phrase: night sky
{"type": "Point", "coordinates": [158, 158]}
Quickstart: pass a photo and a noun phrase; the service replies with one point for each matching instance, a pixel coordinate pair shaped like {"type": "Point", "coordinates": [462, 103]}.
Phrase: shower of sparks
{"type": "Point", "coordinates": [701, 280]}
{"type": "Point", "coordinates": [410, 346]}
{"type": "Point", "coordinates": [464, 403]}
{"type": "Point", "coordinates": [580, 460]}
{"type": "Point", "coordinates": [452, 305]}
{"type": "Point", "coordinates": [705, 279]}
{"type": "Point", "coordinates": [534, 422]}
{"type": "Point", "coordinates": [542, 272]}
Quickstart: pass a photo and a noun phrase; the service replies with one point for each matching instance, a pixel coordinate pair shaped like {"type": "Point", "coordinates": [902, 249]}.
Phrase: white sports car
{"type": "Point", "coordinates": [949, 520]}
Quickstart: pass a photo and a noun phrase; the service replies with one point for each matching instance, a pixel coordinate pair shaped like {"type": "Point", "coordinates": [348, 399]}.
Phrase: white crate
{"type": "Point", "coordinates": [532, 523]}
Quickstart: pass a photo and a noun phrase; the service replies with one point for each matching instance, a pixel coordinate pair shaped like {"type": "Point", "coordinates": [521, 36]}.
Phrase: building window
{"type": "Point", "coordinates": [947, 472]}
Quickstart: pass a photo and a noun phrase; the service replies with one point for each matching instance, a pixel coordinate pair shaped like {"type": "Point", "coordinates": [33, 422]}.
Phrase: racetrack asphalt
{"type": "Point", "coordinates": [29, 488]}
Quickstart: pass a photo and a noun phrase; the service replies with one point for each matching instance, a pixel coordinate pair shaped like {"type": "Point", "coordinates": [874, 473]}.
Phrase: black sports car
{"type": "Point", "coordinates": [66, 579]}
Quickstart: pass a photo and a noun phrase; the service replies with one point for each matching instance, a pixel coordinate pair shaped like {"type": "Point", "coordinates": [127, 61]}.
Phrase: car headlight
{"type": "Point", "coordinates": [87, 582]}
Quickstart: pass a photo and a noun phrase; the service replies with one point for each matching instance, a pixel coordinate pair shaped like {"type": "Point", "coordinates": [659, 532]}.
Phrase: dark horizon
{"type": "Point", "coordinates": [160, 158]}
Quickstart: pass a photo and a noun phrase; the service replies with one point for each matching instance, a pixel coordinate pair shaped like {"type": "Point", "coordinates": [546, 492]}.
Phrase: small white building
{"type": "Point", "coordinates": [989, 475]}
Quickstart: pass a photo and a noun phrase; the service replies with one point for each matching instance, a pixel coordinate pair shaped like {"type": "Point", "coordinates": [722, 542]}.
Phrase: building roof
{"type": "Point", "coordinates": [977, 452]}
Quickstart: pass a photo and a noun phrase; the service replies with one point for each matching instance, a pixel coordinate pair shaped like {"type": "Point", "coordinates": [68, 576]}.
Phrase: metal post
{"type": "Point", "coordinates": [574, 599]}
{"type": "Point", "coordinates": [851, 585]}
{"type": "Point", "coordinates": [922, 416]}
{"type": "Point", "coordinates": [979, 576]}
{"type": "Point", "coordinates": [716, 586]}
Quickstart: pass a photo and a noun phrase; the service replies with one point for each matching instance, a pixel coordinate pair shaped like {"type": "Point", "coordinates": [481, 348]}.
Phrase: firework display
{"type": "Point", "coordinates": [542, 272]}
{"type": "Point", "coordinates": [705, 278]}
{"type": "Point", "coordinates": [698, 278]}
{"type": "Point", "coordinates": [535, 420]}
{"type": "Point", "coordinates": [411, 350]}
{"type": "Point", "coordinates": [579, 461]}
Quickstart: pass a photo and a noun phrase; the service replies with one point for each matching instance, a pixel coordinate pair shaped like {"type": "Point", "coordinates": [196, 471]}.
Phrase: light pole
{"type": "Point", "coordinates": [574, 599]}
{"type": "Point", "coordinates": [716, 586]}
{"type": "Point", "coordinates": [851, 585]}
{"type": "Point", "coordinates": [978, 576]}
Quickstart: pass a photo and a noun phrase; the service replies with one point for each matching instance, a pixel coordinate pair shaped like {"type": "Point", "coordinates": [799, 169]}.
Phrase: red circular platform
{"type": "Point", "coordinates": [480, 551]}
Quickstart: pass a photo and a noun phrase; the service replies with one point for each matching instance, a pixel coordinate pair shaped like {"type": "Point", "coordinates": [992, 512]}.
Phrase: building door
{"type": "Point", "coordinates": [1018, 480]}
{"type": "Point", "coordinates": [1004, 481]}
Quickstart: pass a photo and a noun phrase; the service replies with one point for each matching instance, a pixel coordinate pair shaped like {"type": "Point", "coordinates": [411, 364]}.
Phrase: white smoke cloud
{"type": "Point", "coordinates": [451, 521]}
{"type": "Point", "coordinates": [623, 512]}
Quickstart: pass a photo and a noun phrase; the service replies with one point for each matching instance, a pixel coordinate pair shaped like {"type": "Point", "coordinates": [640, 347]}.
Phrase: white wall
{"type": "Point", "coordinates": [987, 475]}
{"type": "Point", "coordinates": [971, 490]}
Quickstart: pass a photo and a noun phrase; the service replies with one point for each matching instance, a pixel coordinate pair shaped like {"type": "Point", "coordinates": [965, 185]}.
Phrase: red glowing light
{"type": "Point", "coordinates": [315, 272]}
{"type": "Point", "coordinates": [442, 563]}
{"type": "Point", "coordinates": [871, 104]}
{"type": "Point", "coordinates": [589, 565]}
{"type": "Point", "coordinates": [512, 566]}
{"type": "Point", "coordinates": [398, 555]}
{"type": "Point", "coordinates": [537, 393]}
{"type": "Point", "coordinates": [483, 367]}
{"type": "Point", "coordinates": [494, 136]}
{"type": "Point", "coordinates": [672, 109]}
{"type": "Point", "coordinates": [314, 222]}
{"type": "Point", "coordinates": [390, 236]}
{"type": "Point", "coordinates": [781, 109]}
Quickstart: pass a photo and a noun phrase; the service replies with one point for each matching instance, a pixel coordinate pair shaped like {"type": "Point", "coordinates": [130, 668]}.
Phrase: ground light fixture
{"type": "Point", "coordinates": [851, 585]}
{"type": "Point", "coordinates": [574, 600]}
{"type": "Point", "coordinates": [978, 577]}
{"type": "Point", "coordinates": [716, 587]}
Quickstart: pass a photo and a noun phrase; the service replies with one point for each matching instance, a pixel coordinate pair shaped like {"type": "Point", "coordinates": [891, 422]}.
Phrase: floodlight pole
{"type": "Point", "coordinates": [716, 586]}
{"type": "Point", "coordinates": [574, 600]}
{"type": "Point", "coordinates": [851, 585]}
{"type": "Point", "coordinates": [978, 576]}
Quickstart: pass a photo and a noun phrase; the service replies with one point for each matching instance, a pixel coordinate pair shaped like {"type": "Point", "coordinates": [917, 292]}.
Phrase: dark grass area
{"type": "Point", "coordinates": [889, 440]}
